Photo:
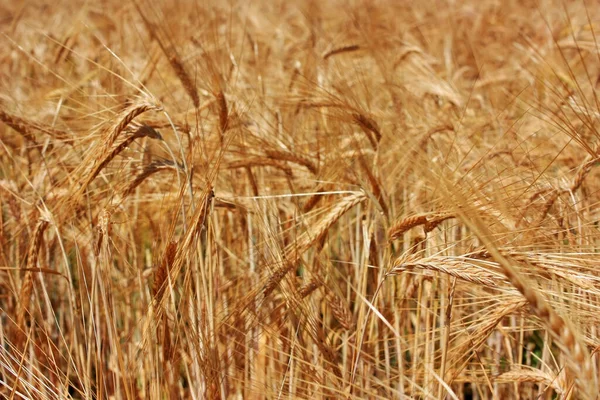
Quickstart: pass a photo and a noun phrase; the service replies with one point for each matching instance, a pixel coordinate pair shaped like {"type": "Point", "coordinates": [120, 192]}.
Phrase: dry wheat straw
{"type": "Point", "coordinates": [435, 221]}
{"type": "Point", "coordinates": [303, 292]}
{"type": "Point", "coordinates": [252, 180]}
{"type": "Point", "coordinates": [404, 225]}
{"type": "Point", "coordinates": [198, 220]}
{"type": "Point", "coordinates": [231, 309]}
{"type": "Point", "coordinates": [583, 172]}
{"type": "Point", "coordinates": [546, 207]}
{"type": "Point", "coordinates": [554, 194]}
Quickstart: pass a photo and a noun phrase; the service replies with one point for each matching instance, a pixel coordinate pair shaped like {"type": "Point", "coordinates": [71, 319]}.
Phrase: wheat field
{"type": "Point", "coordinates": [204, 199]}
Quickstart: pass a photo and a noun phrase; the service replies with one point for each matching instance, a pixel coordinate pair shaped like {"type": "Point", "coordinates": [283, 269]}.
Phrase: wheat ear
{"type": "Point", "coordinates": [578, 358]}
{"type": "Point", "coordinates": [294, 251]}
{"type": "Point", "coordinates": [340, 50]}
{"type": "Point", "coordinates": [27, 285]}
{"type": "Point", "coordinates": [126, 117]}
{"type": "Point", "coordinates": [143, 131]}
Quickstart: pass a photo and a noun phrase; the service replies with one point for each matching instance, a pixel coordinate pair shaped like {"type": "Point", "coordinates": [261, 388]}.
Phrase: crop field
{"type": "Point", "coordinates": [302, 199]}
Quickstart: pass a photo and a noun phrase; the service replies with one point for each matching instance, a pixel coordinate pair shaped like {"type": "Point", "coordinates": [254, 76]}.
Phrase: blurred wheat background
{"type": "Point", "coordinates": [205, 199]}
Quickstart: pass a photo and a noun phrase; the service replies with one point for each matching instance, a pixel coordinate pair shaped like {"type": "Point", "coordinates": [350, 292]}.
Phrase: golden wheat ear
{"type": "Point", "coordinates": [299, 199]}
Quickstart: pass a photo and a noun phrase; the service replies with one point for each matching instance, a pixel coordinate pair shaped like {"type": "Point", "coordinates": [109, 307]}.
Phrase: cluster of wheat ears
{"type": "Point", "coordinates": [299, 199]}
